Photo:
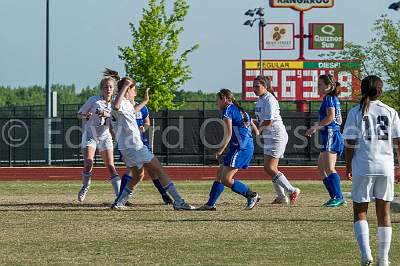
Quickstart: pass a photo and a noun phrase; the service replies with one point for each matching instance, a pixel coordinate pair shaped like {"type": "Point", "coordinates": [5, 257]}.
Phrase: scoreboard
{"type": "Point", "coordinates": [298, 80]}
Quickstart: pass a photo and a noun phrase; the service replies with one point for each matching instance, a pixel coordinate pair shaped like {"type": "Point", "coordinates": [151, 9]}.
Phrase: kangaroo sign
{"type": "Point", "coordinates": [302, 5]}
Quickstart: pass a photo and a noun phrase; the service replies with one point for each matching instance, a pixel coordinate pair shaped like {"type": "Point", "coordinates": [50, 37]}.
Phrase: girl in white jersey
{"type": "Point", "coordinates": [135, 154]}
{"type": "Point", "coordinates": [371, 131]}
{"type": "Point", "coordinates": [97, 111]}
{"type": "Point", "coordinates": [275, 139]}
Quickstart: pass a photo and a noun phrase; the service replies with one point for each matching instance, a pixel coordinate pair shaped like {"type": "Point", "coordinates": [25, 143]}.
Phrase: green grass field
{"type": "Point", "coordinates": [41, 223]}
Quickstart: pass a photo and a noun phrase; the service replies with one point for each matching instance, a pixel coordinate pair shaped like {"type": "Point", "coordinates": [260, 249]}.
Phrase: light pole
{"type": "Point", "coordinates": [47, 139]}
{"type": "Point", "coordinates": [395, 6]}
{"type": "Point", "coordinates": [259, 12]}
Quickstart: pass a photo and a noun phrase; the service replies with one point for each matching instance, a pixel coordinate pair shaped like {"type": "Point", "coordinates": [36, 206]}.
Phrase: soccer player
{"type": "Point", "coordinates": [332, 144]}
{"type": "Point", "coordinates": [135, 154]}
{"type": "Point", "coordinates": [371, 131]}
{"type": "Point", "coordinates": [275, 138]}
{"type": "Point", "coordinates": [97, 111]}
{"type": "Point", "coordinates": [240, 142]}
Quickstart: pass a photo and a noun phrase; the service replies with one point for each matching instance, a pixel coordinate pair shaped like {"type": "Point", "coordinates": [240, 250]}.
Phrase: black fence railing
{"type": "Point", "coordinates": [188, 136]}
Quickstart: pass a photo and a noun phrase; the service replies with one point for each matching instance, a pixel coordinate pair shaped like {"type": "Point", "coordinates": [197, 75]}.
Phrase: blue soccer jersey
{"type": "Point", "coordinates": [241, 135]}
{"type": "Point", "coordinates": [328, 102]}
{"type": "Point", "coordinates": [140, 117]}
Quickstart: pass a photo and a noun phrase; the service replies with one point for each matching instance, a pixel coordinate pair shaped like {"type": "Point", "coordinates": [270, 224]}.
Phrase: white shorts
{"type": "Point", "coordinates": [364, 189]}
{"type": "Point", "coordinates": [275, 143]}
{"type": "Point", "coordinates": [137, 158]}
{"type": "Point", "coordinates": [101, 145]}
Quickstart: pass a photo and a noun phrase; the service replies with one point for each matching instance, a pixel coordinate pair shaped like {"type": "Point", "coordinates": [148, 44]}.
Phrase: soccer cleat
{"type": "Point", "coordinates": [326, 203]}
{"type": "Point", "coordinates": [366, 262]}
{"type": "Point", "coordinates": [129, 204]}
{"type": "Point", "coordinates": [82, 193]}
{"type": "Point", "coordinates": [117, 206]}
{"type": "Point", "coordinates": [182, 206]}
{"type": "Point", "coordinates": [167, 200]}
{"type": "Point", "coordinates": [279, 200]}
{"type": "Point", "coordinates": [206, 207]}
{"type": "Point", "coordinates": [334, 203]}
{"type": "Point", "coordinates": [252, 201]}
{"type": "Point", "coordinates": [294, 196]}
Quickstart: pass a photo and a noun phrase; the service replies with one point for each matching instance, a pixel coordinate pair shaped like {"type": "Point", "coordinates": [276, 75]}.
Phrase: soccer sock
{"type": "Point", "coordinates": [158, 185]}
{"type": "Point", "coordinates": [86, 179]}
{"type": "Point", "coordinates": [334, 182]}
{"type": "Point", "coordinates": [171, 189]}
{"type": "Point", "coordinates": [241, 188]}
{"type": "Point", "coordinates": [216, 191]}
{"type": "Point", "coordinates": [282, 181]}
{"type": "Point", "coordinates": [384, 239]}
{"type": "Point", "coordinates": [280, 191]}
{"type": "Point", "coordinates": [116, 184]}
{"type": "Point", "coordinates": [124, 180]}
{"type": "Point", "coordinates": [124, 196]}
{"type": "Point", "coordinates": [361, 232]}
{"type": "Point", "coordinates": [328, 187]}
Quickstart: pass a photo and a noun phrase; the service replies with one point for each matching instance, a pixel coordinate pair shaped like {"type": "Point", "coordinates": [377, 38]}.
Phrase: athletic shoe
{"type": "Point", "coordinates": [252, 201]}
{"type": "Point", "coordinates": [182, 206]}
{"type": "Point", "coordinates": [167, 200]}
{"type": "Point", "coordinates": [294, 196]}
{"type": "Point", "coordinates": [129, 204]}
{"type": "Point", "coordinates": [279, 200]}
{"type": "Point", "coordinates": [82, 193]}
{"type": "Point", "coordinates": [367, 263]}
{"type": "Point", "coordinates": [326, 203]}
{"type": "Point", "coordinates": [116, 206]}
{"type": "Point", "coordinates": [206, 207]}
{"type": "Point", "coordinates": [336, 203]}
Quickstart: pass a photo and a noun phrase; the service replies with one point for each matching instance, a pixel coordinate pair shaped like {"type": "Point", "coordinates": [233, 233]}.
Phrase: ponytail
{"type": "Point", "coordinates": [229, 96]}
{"type": "Point", "coordinates": [266, 82]}
{"type": "Point", "coordinates": [329, 80]}
{"type": "Point", "coordinates": [371, 89]}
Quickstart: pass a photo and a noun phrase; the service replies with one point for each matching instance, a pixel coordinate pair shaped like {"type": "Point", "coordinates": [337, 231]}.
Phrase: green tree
{"type": "Point", "coordinates": [381, 57]}
{"type": "Point", "coordinates": [152, 59]}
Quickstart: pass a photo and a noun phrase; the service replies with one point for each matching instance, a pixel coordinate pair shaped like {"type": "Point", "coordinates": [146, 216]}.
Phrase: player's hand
{"type": "Point", "coordinates": [88, 115]}
{"type": "Point", "coordinates": [349, 175]}
{"type": "Point", "coordinates": [218, 154]}
{"type": "Point", "coordinates": [146, 95]}
{"type": "Point", "coordinates": [311, 131]}
{"type": "Point", "coordinates": [397, 175]}
{"type": "Point", "coordinates": [127, 83]}
{"type": "Point", "coordinates": [142, 129]}
{"type": "Point", "coordinates": [104, 113]}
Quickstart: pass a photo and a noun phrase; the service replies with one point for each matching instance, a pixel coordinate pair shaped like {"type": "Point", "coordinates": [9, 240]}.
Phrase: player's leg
{"type": "Point", "coordinates": [324, 176]}
{"type": "Point", "coordinates": [155, 170]}
{"type": "Point", "coordinates": [88, 156]}
{"type": "Point", "coordinates": [216, 190]}
{"type": "Point", "coordinates": [156, 182]}
{"type": "Point", "coordinates": [136, 175]}
{"type": "Point", "coordinates": [361, 231]}
{"type": "Point", "coordinates": [333, 179]}
{"type": "Point", "coordinates": [271, 169]}
{"type": "Point", "coordinates": [108, 159]}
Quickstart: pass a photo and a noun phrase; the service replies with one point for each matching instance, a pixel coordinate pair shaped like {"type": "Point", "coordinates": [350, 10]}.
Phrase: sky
{"type": "Point", "coordinates": [85, 35]}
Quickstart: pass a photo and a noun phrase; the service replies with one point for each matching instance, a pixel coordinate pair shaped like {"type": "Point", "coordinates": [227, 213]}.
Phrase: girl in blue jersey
{"type": "Point", "coordinates": [239, 139]}
{"type": "Point", "coordinates": [332, 144]}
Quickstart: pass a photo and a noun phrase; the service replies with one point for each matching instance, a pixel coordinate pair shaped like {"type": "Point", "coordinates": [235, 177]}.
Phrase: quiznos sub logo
{"type": "Point", "coordinates": [302, 5]}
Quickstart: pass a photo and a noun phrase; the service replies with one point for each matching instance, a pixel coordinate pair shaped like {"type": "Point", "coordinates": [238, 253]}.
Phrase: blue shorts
{"type": "Point", "coordinates": [239, 158]}
{"type": "Point", "coordinates": [332, 141]}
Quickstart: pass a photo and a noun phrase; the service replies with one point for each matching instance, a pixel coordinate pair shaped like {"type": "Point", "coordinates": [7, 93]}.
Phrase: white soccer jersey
{"type": "Point", "coordinates": [125, 127]}
{"type": "Point", "coordinates": [267, 108]}
{"type": "Point", "coordinates": [96, 127]}
{"type": "Point", "coordinates": [374, 134]}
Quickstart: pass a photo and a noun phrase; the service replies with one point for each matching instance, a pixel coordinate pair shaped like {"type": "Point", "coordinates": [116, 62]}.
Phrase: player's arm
{"type": "Point", "coordinates": [83, 112]}
{"type": "Point", "coordinates": [116, 105]}
{"type": "Point", "coordinates": [227, 137]}
{"type": "Point", "coordinates": [146, 124]}
{"type": "Point", "coordinates": [324, 122]}
{"type": "Point", "coordinates": [348, 153]}
{"type": "Point", "coordinates": [139, 106]}
{"type": "Point", "coordinates": [396, 143]}
{"type": "Point", "coordinates": [254, 128]}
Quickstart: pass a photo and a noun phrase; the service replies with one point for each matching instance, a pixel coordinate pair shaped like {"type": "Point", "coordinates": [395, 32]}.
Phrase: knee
{"type": "Point", "coordinates": [89, 163]}
{"type": "Point", "coordinates": [270, 170]}
{"type": "Point", "coordinates": [227, 182]}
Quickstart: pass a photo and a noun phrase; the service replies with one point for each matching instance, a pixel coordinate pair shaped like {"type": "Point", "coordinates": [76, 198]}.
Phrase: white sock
{"type": "Point", "coordinates": [125, 195]}
{"type": "Point", "coordinates": [280, 191]}
{"type": "Point", "coordinates": [116, 184]}
{"type": "Point", "coordinates": [86, 179]}
{"type": "Point", "coordinates": [384, 239]}
{"type": "Point", "coordinates": [282, 181]}
{"type": "Point", "coordinates": [171, 189]}
{"type": "Point", "coordinates": [361, 232]}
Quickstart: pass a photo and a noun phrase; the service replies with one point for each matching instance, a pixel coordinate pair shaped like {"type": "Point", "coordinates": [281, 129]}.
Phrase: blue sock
{"type": "Point", "coordinates": [216, 191]}
{"type": "Point", "coordinates": [124, 180]}
{"type": "Point", "coordinates": [158, 185]}
{"type": "Point", "coordinates": [338, 188]}
{"type": "Point", "coordinates": [328, 187]}
{"type": "Point", "coordinates": [240, 188]}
